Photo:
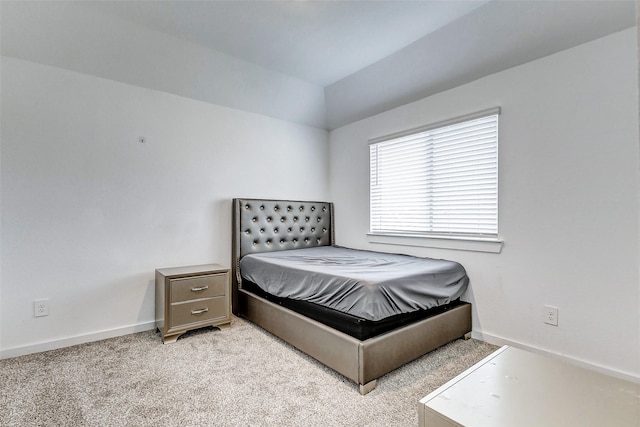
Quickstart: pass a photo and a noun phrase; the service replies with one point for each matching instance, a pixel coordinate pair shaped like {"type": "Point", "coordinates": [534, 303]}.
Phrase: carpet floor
{"type": "Point", "coordinates": [240, 376]}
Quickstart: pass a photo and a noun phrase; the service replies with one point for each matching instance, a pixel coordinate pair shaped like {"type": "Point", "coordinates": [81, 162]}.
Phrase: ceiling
{"type": "Point", "coordinates": [317, 41]}
{"type": "Point", "coordinates": [319, 63]}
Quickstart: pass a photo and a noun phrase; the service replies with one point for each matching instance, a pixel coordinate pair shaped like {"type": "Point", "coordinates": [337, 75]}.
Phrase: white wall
{"type": "Point", "coordinates": [88, 213]}
{"type": "Point", "coordinates": [569, 190]}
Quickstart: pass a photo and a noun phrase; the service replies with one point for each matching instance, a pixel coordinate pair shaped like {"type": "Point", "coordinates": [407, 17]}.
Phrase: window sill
{"type": "Point", "coordinates": [456, 243]}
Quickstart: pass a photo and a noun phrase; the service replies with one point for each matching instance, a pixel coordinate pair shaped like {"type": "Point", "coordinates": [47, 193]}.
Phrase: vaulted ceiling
{"type": "Point", "coordinates": [348, 48]}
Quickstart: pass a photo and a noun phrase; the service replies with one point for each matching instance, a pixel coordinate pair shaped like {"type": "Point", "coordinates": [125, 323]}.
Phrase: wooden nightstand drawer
{"type": "Point", "coordinates": [188, 288]}
{"type": "Point", "coordinates": [198, 311]}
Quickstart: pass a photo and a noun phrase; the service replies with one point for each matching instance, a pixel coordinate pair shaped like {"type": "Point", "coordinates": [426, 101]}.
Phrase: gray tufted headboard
{"type": "Point", "coordinates": [275, 225]}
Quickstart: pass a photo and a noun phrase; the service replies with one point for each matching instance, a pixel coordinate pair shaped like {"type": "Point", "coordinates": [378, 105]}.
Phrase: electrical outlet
{"type": "Point", "coordinates": [551, 315]}
{"type": "Point", "coordinates": [41, 307]}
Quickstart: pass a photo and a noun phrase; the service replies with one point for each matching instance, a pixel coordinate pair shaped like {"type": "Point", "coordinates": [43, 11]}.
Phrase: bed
{"type": "Point", "coordinates": [360, 345]}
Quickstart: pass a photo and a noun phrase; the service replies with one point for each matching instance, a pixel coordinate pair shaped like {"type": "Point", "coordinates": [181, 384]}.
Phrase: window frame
{"type": "Point", "coordinates": [472, 242]}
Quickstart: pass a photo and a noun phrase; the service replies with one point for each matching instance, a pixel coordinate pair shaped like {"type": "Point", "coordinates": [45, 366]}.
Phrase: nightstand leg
{"type": "Point", "coordinates": [170, 339]}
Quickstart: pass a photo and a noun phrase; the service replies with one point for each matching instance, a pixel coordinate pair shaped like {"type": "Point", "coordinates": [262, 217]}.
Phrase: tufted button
{"type": "Point", "coordinates": [261, 207]}
{"type": "Point", "coordinates": [301, 229]}
{"type": "Point", "coordinates": [301, 208]}
{"type": "Point", "coordinates": [282, 241]}
{"type": "Point", "coordinates": [289, 230]}
{"type": "Point", "coordinates": [275, 230]}
{"type": "Point", "coordinates": [255, 242]}
{"type": "Point", "coordinates": [282, 219]}
{"type": "Point", "coordinates": [324, 230]}
{"type": "Point", "coordinates": [268, 219]}
{"type": "Point", "coordinates": [276, 208]}
{"type": "Point", "coordinates": [319, 219]}
{"type": "Point", "coordinates": [247, 206]}
{"type": "Point", "coordinates": [295, 218]}
{"type": "Point", "coordinates": [268, 241]}
{"type": "Point", "coordinates": [306, 240]}
{"type": "Point", "coordinates": [262, 230]}
{"type": "Point", "coordinates": [313, 208]}
{"type": "Point", "coordinates": [307, 219]}
{"type": "Point", "coordinates": [324, 209]}
{"type": "Point", "coordinates": [318, 240]}
{"type": "Point", "coordinates": [247, 232]}
{"type": "Point", "coordinates": [313, 229]}
{"type": "Point", "coordinates": [288, 208]}
{"type": "Point", "coordinates": [295, 240]}
{"type": "Point", "coordinates": [254, 219]}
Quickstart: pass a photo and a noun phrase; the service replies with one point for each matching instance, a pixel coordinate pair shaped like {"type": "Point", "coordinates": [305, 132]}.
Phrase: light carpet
{"type": "Point", "coordinates": [240, 376]}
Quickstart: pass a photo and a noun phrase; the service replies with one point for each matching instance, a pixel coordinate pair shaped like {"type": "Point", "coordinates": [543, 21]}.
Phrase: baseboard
{"type": "Point", "coordinates": [75, 340]}
{"type": "Point", "coordinates": [495, 340]}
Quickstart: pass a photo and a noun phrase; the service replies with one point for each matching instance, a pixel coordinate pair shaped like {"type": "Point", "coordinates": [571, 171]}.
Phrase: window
{"type": "Point", "coordinates": [437, 181]}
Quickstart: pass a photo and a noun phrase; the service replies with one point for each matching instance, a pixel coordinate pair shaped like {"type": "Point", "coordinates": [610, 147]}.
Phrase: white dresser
{"type": "Point", "coordinates": [512, 387]}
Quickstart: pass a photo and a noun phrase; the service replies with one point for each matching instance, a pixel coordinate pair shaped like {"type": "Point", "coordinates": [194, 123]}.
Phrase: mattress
{"type": "Point", "coordinates": [367, 285]}
{"type": "Point", "coordinates": [357, 327]}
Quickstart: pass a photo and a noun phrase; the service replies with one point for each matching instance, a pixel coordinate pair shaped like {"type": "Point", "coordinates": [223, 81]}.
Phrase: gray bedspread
{"type": "Point", "coordinates": [370, 285]}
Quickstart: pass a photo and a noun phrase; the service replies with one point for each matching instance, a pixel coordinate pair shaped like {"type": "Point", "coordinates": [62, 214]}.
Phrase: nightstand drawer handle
{"type": "Point", "coordinates": [202, 310]}
{"type": "Point", "coordinates": [201, 288]}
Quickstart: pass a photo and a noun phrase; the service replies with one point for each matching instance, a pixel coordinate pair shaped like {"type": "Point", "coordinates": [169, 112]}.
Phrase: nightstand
{"type": "Point", "coordinates": [191, 297]}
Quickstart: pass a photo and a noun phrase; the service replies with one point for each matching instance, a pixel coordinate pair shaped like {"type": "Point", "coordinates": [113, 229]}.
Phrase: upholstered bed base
{"type": "Point", "coordinates": [361, 361]}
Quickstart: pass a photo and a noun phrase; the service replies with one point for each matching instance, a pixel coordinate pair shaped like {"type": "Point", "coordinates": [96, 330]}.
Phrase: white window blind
{"type": "Point", "coordinates": [438, 181]}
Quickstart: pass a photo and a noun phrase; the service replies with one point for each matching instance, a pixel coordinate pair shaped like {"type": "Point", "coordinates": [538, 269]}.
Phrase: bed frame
{"type": "Point", "coordinates": [274, 225]}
